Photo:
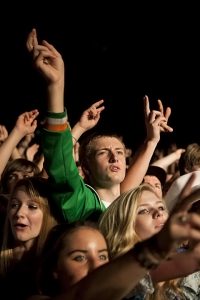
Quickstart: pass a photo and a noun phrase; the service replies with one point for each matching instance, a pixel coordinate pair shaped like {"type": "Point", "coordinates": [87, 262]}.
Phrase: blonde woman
{"type": "Point", "coordinates": [135, 216]}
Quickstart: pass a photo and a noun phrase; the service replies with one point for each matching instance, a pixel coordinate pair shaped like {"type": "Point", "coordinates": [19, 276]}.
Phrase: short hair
{"type": "Point", "coordinates": [158, 172]}
{"type": "Point", "coordinates": [19, 164]}
{"type": "Point", "coordinates": [189, 159]}
{"type": "Point", "coordinates": [87, 146]}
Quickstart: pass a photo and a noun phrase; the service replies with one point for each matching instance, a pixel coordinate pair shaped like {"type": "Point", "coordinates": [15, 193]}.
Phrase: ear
{"type": "Point", "coordinates": [186, 171]}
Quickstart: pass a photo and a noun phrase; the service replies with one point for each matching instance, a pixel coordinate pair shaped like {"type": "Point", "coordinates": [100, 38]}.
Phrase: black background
{"type": "Point", "coordinates": [119, 53]}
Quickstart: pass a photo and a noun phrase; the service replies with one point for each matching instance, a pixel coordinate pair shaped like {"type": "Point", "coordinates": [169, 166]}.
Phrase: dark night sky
{"type": "Point", "coordinates": [116, 54]}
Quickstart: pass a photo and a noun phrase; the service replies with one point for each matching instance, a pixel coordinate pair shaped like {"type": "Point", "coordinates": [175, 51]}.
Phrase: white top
{"type": "Point", "coordinates": [175, 189]}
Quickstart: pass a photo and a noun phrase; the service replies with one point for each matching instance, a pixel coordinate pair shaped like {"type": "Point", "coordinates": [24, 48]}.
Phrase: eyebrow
{"type": "Point", "coordinates": [85, 251]}
{"type": "Point", "coordinates": [147, 204]}
{"type": "Point", "coordinates": [108, 149]}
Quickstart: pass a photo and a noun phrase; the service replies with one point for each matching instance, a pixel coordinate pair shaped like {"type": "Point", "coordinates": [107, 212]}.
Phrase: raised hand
{"type": "Point", "coordinates": [26, 122]}
{"type": "Point", "coordinates": [156, 120]}
{"type": "Point", "coordinates": [32, 43]}
{"type": "Point", "coordinates": [3, 134]}
{"type": "Point", "coordinates": [182, 224]}
{"type": "Point", "coordinates": [46, 58]}
{"type": "Point", "coordinates": [89, 118]}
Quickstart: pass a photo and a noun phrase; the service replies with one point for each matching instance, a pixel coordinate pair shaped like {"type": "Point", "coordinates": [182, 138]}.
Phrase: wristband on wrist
{"type": "Point", "coordinates": [74, 139]}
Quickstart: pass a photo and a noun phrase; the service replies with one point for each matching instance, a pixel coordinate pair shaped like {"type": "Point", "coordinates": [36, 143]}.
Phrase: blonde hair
{"type": "Point", "coordinates": [117, 223]}
{"type": "Point", "coordinates": [37, 189]}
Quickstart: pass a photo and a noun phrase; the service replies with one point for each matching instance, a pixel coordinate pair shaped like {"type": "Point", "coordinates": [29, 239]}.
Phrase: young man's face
{"type": "Point", "coordinates": [108, 162]}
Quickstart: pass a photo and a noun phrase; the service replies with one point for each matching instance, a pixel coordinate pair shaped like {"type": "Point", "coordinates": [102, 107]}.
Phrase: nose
{"type": "Point", "coordinates": [20, 211]}
{"type": "Point", "coordinates": [113, 157]}
{"type": "Point", "coordinates": [157, 213]}
{"type": "Point", "coordinates": [94, 264]}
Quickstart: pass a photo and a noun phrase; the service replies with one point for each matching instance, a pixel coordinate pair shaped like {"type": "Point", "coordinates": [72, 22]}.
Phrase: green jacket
{"type": "Point", "coordinates": [76, 199]}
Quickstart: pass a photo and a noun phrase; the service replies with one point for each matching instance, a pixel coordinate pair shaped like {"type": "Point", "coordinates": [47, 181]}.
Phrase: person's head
{"type": "Point", "coordinates": [103, 160]}
{"type": "Point", "coordinates": [135, 215]}
{"type": "Point", "coordinates": [156, 177]}
{"type": "Point", "coordinates": [15, 170]}
{"type": "Point", "coordinates": [190, 159]}
{"type": "Point", "coordinates": [29, 215]}
{"type": "Point", "coordinates": [70, 253]}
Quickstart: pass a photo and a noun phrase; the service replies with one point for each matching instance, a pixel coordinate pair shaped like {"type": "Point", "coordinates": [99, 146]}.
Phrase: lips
{"type": "Point", "coordinates": [114, 168]}
{"type": "Point", "coordinates": [159, 225]}
{"type": "Point", "coordinates": [20, 225]}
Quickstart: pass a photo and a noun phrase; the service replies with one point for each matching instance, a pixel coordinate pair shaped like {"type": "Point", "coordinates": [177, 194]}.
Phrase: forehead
{"type": "Point", "coordinates": [83, 237]}
{"type": "Point", "coordinates": [151, 179]}
{"type": "Point", "coordinates": [149, 198]}
{"type": "Point", "coordinates": [107, 142]}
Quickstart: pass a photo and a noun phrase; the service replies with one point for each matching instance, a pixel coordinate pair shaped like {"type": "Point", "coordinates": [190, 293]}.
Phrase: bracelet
{"type": "Point", "coordinates": [147, 255]}
{"type": "Point", "coordinates": [74, 139]}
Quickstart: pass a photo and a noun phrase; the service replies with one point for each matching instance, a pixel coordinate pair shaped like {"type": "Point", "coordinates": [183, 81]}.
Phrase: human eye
{"type": "Point", "coordinates": [26, 176]}
{"type": "Point", "coordinates": [12, 177]}
{"type": "Point", "coordinates": [157, 186]}
{"type": "Point", "coordinates": [144, 211]}
{"type": "Point", "coordinates": [14, 204]}
{"type": "Point", "coordinates": [101, 152]}
{"type": "Point", "coordinates": [162, 207]}
{"type": "Point", "coordinates": [33, 206]}
{"type": "Point", "coordinates": [79, 258]}
{"type": "Point", "coordinates": [120, 152]}
{"type": "Point", "coordinates": [103, 257]}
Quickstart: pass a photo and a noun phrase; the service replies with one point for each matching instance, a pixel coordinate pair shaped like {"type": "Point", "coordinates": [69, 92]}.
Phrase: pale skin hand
{"type": "Point", "coordinates": [89, 118]}
{"type": "Point", "coordinates": [180, 230]}
{"type": "Point", "coordinates": [155, 121]}
{"type": "Point", "coordinates": [3, 133]}
{"type": "Point", "coordinates": [31, 151]}
{"type": "Point", "coordinates": [32, 43]}
{"type": "Point", "coordinates": [26, 122]}
{"type": "Point", "coordinates": [48, 61]}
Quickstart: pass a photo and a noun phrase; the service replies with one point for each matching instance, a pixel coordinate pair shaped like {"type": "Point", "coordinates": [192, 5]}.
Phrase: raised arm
{"type": "Point", "coordinates": [156, 121]}
{"type": "Point", "coordinates": [70, 193]}
{"type": "Point", "coordinates": [169, 159]}
{"type": "Point", "coordinates": [89, 118]}
{"type": "Point", "coordinates": [25, 124]}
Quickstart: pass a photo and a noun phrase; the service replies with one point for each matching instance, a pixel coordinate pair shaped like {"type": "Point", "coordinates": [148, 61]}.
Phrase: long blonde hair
{"type": "Point", "coordinates": [117, 223]}
{"type": "Point", "coordinates": [38, 189]}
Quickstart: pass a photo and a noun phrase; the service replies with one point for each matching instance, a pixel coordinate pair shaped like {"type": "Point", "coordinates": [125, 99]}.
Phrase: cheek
{"type": "Point", "coordinates": [144, 227]}
{"type": "Point", "coordinates": [37, 221]}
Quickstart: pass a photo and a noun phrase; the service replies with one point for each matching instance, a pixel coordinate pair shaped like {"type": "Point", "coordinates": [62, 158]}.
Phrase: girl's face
{"type": "Point", "coordinates": [151, 215]}
{"type": "Point", "coordinates": [25, 216]}
{"type": "Point", "coordinates": [85, 250]}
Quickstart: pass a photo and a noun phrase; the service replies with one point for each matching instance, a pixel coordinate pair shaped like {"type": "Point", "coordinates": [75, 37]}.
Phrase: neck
{"type": "Point", "coordinates": [108, 195]}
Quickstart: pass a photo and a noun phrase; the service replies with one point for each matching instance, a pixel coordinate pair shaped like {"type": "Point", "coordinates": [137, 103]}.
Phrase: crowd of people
{"type": "Point", "coordinates": [78, 221]}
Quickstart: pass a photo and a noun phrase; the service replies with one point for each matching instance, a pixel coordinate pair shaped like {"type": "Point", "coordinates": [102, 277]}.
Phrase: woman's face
{"type": "Point", "coordinates": [151, 215]}
{"type": "Point", "coordinates": [85, 250]}
{"type": "Point", "coordinates": [25, 216]}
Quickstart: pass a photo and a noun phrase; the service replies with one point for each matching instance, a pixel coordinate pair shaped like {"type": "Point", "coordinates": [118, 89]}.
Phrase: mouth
{"type": "Point", "coordinates": [20, 226]}
{"type": "Point", "coordinates": [114, 168]}
{"type": "Point", "coordinates": [159, 225]}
